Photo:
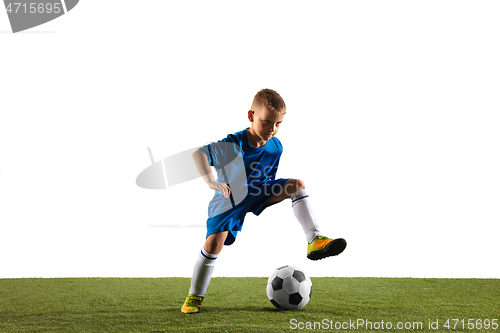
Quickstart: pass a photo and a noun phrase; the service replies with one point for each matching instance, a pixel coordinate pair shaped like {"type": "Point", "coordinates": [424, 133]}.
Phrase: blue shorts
{"type": "Point", "coordinates": [232, 220]}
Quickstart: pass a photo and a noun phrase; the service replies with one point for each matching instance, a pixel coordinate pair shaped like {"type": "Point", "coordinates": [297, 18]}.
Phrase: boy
{"type": "Point", "coordinates": [246, 164]}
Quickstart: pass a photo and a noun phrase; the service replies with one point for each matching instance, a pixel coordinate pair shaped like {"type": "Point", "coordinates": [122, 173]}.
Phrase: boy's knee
{"type": "Point", "coordinates": [215, 242]}
{"type": "Point", "coordinates": [294, 185]}
{"type": "Point", "coordinates": [213, 247]}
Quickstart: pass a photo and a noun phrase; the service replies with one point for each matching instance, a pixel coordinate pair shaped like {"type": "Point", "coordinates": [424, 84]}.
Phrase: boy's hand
{"type": "Point", "coordinates": [221, 187]}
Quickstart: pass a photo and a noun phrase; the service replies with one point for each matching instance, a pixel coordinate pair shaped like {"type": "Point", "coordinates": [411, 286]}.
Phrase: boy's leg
{"type": "Point", "coordinates": [290, 187]}
{"type": "Point", "coordinates": [295, 189]}
{"type": "Point", "coordinates": [215, 242]}
{"type": "Point", "coordinates": [203, 270]}
{"type": "Point", "coordinates": [205, 264]}
{"type": "Point", "coordinates": [319, 246]}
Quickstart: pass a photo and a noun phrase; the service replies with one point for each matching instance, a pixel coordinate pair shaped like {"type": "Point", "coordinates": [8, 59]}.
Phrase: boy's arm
{"type": "Point", "coordinates": [201, 161]}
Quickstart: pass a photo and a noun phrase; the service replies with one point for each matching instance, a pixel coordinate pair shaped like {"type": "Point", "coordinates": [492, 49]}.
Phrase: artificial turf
{"type": "Point", "coordinates": [241, 305]}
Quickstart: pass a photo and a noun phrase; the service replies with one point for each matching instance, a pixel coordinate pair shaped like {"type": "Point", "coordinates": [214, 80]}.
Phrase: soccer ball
{"type": "Point", "coordinates": [289, 288]}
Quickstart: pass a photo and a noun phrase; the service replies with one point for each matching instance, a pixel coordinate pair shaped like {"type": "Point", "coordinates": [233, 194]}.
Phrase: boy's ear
{"type": "Point", "coordinates": [251, 114]}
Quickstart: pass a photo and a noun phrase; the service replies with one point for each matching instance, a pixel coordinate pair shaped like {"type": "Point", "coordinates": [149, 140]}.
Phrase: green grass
{"type": "Point", "coordinates": [239, 304]}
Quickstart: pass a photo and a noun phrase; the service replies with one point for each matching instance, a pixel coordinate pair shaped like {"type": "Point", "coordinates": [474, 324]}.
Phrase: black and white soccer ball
{"type": "Point", "coordinates": [289, 288]}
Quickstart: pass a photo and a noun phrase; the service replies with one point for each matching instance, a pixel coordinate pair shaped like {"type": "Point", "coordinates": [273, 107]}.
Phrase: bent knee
{"type": "Point", "coordinates": [294, 185]}
{"type": "Point", "coordinates": [215, 242]}
{"type": "Point", "coordinates": [214, 247]}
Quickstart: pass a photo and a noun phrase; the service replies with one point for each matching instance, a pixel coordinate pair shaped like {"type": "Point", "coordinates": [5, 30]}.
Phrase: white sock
{"type": "Point", "coordinates": [202, 273]}
{"type": "Point", "coordinates": [303, 211]}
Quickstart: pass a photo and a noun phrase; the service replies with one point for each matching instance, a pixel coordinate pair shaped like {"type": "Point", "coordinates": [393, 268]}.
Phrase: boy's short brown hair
{"type": "Point", "coordinates": [271, 99]}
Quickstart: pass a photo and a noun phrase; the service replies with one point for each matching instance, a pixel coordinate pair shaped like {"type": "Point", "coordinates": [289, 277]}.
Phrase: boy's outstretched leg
{"type": "Point", "coordinates": [202, 272]}
{"type": "Point", "coordinates": [319, 246]}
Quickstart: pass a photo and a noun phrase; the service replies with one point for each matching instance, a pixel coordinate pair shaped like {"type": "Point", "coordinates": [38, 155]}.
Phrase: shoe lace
{"type": "Point", "coordinates": [193, 301]}
{"type": "Point", "coordinates": [318, 238]}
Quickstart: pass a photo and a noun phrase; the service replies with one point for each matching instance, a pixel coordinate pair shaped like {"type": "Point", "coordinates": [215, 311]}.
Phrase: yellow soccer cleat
{"type": "Point", "coordinates": [192, 304]}
{"type": "Point", "coordinates": [322, 247]}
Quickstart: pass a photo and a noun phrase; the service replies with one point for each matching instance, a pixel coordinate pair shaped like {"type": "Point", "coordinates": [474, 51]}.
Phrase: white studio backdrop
{"type": "Point", "coordinates": [392, 122]}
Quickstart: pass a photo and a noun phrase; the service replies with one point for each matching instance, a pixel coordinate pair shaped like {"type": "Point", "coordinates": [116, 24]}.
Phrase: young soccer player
{"type": "Point", "coordinates": [246, 164]}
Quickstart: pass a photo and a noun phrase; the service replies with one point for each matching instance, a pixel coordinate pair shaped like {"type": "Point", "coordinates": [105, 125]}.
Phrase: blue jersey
{"type": "Point", "coordinates": [244, 168]}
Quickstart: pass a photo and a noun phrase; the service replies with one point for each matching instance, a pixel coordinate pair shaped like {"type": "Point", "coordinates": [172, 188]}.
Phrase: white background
{"type": "Point", "coordinates": [392, 122]}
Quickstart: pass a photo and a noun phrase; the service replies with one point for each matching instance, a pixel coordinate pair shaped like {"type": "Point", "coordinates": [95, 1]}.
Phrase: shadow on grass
{"type": "Point", "coordinates": [216, 309]}
{"type": "Point", "coordinates": [228, 310]}
{"type": "Point", "coordinates": [243, 309]}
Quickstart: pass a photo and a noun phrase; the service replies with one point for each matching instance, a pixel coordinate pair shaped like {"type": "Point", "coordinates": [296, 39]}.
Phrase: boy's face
{"type": "Point", "coordinates": [265, 123]}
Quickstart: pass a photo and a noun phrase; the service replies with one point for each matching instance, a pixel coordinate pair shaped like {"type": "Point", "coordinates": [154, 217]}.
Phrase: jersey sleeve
{"type": "Point", "coordinates": [222, 152]}
{"type": "Point", "coordinates": [207, 151]}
